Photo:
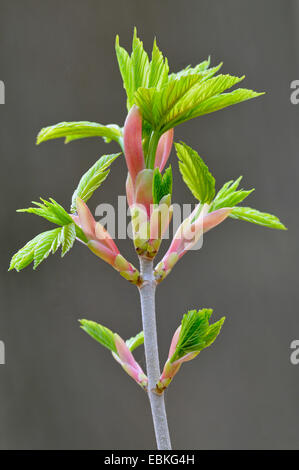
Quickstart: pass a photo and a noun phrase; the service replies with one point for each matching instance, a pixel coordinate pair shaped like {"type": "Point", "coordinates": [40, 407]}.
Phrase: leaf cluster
{"type": "Point", "coordinates": [196, 333]}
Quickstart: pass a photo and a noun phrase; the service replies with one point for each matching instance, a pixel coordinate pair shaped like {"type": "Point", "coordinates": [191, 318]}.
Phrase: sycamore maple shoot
{"type": "Point", "coordinates": [157, 102]}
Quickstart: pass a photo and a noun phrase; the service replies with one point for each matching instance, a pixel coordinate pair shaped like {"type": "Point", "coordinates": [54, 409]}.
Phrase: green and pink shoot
{"type": "Point", "coordinates": [157, 102]}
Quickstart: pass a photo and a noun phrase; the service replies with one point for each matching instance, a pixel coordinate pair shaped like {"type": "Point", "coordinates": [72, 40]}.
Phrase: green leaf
{"type": "Point", "coordinates": [215, 103]}
{"type": "Point", "coordinates": [158, 71]}
{"type": "Point", "coordinates": [124, 63]}
{"type": "Point", "coordinates": [168, 100]}
{"type": "Point", "coordinates": [68, 237]}
{"type": "Point", "coordinates": [100, 333]}
{"type": "Point", "coordinates": [49, 210]}
{"type": "Point", "coordinates": [135, 341]}
{"type": "Point", "coordinates": [181, 99]}
{"type": "Point", "coordinates": [196, 333]}
{"type": "Point", "coordinates": [139, 63]}
{"type": "Point", "coordinates": [228, 196]}
{"type": "Point", "coordinates": [39, 248]}
{"type": "Point", "coordinates": [25, 255]}
{"type": "Point", "coordinates": [92, 179]}
{"type": "Point", "coordinates": [79, 130]}
{"type": "Point", "coordinates": [256, 217]}
{"type": "Point", "coordinates": [202, 69]}
{"type": "Point", "coordinates": [48, 243]}
{"type": "Point", "coordinates": [55, 213]}
{"type": "Point", "coordinates": [137, 71]}
{"type": "Point", "coordinates": [195, 173]}
{"type": "Point", "coordinates": [156, 105]}
{"type": "Point", "coordinates": [162, 185]}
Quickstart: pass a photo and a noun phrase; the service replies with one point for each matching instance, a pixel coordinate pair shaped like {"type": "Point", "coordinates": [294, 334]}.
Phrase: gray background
{"type": "Point", "coordinates": [61, 390]}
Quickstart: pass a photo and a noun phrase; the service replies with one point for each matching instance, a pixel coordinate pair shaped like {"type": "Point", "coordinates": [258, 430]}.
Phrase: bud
{"type": "Point", "coordinates": [102, 245]}
{"type": "Point", "coordinates": [164, 149]}
{"type": "Point", "coordinates": [102, 251]}
{"type": "Point", "coordinates": [87, 222]}
{"type": "Point", "coordinates": [188, 234]}
{"type": "Point", "coordinates": [143, 192]}
{"type": "Point", "coordinates": [161, 217]}
{"type": "Point", "coordinates": [130, 190]}
{"type": "Point", "coordinates": [169, 369]}
{"type": "Point", "coordinates": [149, 221]}
{"type": "Point", "coordinates": [133, 142]}
{"type": "Point", "coordinates": [126, 359]}
{"type": "Point", "coordinates": [147, 231]}
{"type": "Point", "coordinates": [193, 335]}
{"type": "Point", "coordinates": [215, 218]}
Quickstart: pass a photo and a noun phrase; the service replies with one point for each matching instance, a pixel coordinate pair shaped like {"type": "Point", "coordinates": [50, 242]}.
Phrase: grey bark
{"type": "Point", "coordinates": [147, 297]}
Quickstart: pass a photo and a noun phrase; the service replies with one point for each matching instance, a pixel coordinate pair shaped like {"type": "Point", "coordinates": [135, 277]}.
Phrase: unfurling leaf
{"type": "Point", "coordinates": [196, 333]}
{"type": "Point", "coordinates": [79, 130]}
{"type": "Point", "coordinates": [229, 196]}
{"type": "Point", "coordinates": [39, 248]}
{"type": "Point", "coordinates": [256, 217]}
{"type": "Point", "coordinates": [162, 185]}
{"type": "Point", "coordinates": [137, 71]}
{"type": "Point", "coordinates": [121, 351]}
{"type": "Point", "coordinates": [106, 337]}
{"type": "Point", "coordinates": [68, 237]}
{"type": "Point", "coordinates": [135, 341]}
{"type": "Point", "coordinates": [25, 255]}
{"type": "Point", "coordinates": [49, 210]}
{"type": "Point", "coordinates": [100, 333]}
{"type": "Point", "coordinates": [215, 103]}
{"type": "Point", "coordinates": [55, 213]}
{"type": "Point", "coordinates": [186, 97]}
{"type": "Point", "coordinates": [202, 68]}
{"type": "Point", "coordinates": [195, 173]}
{"type": "Point", "coordinates": [48, 243]}
{"type": "Point", "coordinates": [158, 71]}
{"type": "Point", "coordinates": [92, 179]}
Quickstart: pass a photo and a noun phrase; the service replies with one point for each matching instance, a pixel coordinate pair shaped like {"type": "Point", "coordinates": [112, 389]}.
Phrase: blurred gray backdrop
{"type": "Point", "coordinates": [61, 390]}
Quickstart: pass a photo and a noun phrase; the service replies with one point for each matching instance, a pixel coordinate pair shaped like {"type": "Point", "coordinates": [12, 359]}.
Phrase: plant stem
{"type": "Point", "coordinates": [153, 144]}
{"type": "Point", "coordinates": [147, 297]}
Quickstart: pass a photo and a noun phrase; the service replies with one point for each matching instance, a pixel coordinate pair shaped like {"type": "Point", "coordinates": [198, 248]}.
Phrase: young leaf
{"type": "Point", "coordinates": [162, 185]}
{"type": "Point", "coordinates": [158, 71]}
{"type": "Point", "coordinates": [155, 105]}
{"type": "Point", "coordinates": [196, 333]}
{"type": "Point", "coordinates": [68, 237]}
{"type": "Point", "coordinates": [48, 243]}
{"type": "Point", "coordinates": [197, 70]}
{"type": "Point", "coordinates": [55, 213]}
{"type": "Point", "coordinates": [100, 333]}
{"type": "Point", "coordinates": [25, 255]}
{"type": "Point", "coordinates": [203, 67]}
{"type": "Point", "coordinates": [139, 63]}
{"type": "Point", "coordinates": [186, 97]}
{"type": "Point", "coordinates": [195, 173]}
{"type": "Point", "coordinates": [200, 91]}
{"type": "Point", "coordinates": [135, 341]}
{"type": "Point", "coordinates": [50, 210]}
{"type": "Point", "coordinates": [92, 179]}
{"type": "Point", "coordinates": [124, 63]}
{"type": "Point", "coordinates": [256, 217]}
{"type": "Point", "coordinates": [228, 196]}
{"type": "Point", "coordinates": [215, 103]}
{"type": "Point", "coordinates": [135, 69]}
{"type": "Point", "coordinates": [42, 245]}
{"type": "Point", "coordinates": [79, 130]}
